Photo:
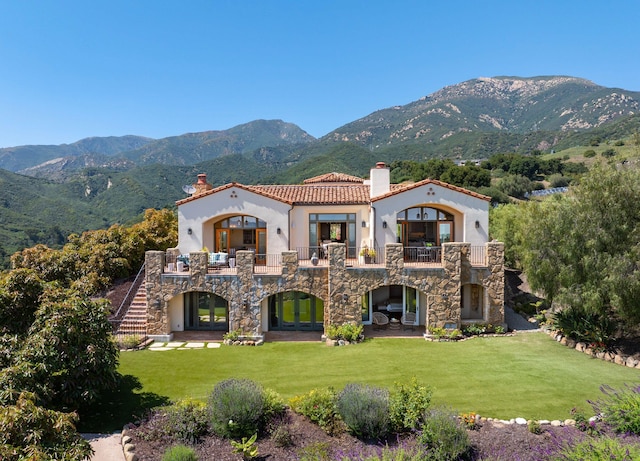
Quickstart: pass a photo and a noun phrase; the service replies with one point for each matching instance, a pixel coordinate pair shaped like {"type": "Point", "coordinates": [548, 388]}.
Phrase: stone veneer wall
{"type": "Point", "coordinates": [337, 285]}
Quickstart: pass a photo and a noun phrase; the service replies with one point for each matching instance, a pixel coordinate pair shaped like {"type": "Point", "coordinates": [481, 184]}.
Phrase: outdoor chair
{"type": "Point", "coordinates": [380, 321]}
{"type": "Point", "coordinates": [408, 320]}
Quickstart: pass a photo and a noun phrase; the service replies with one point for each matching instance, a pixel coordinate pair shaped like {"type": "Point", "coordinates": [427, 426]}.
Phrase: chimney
{"type": "Point", "coordinates": [380, 179]}
{"type": "Point", "coordinates": [202, 185]}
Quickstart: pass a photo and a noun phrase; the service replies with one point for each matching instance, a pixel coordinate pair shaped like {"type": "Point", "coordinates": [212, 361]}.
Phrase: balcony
{"type": "Point", "coordinates": [362, 257]}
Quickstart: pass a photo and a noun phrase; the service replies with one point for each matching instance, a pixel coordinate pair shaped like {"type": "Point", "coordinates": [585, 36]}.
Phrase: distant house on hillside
{"type": "Point", "coordinates": [335, 249]}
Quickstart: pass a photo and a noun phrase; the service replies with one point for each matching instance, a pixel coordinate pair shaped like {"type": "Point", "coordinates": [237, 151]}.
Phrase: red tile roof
{"type": "Point", "coordinates": [332, 191]}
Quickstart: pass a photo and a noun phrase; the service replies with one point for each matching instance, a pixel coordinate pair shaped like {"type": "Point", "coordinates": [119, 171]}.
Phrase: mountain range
{"type": "Point", "coordinates": [47, 192]}
{"type": "Point", "coordinates": [469, 120]}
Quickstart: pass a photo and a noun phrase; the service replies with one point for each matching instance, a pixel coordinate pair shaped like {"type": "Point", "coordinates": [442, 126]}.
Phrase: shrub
{"type": "Point", "coordinates": [589, 153]}
{"type": "Point", "coordinates": [347, 332]}
{"type": "Point", "coordinates": [273, 405]}
{"type": "Point", "coordinates": [620, 408]}
{"type": "Point", "coordinates": [319, 405]}
{"type": "Point", "coordinates": [187, 420]}
{"type": "Point", "coordinates": [233, 335]}
{"type": "Point", "coordinates": [408, 403]}
{"type": "Point", "coordinates": [558, 180]}
{"type": "Point", "coordinates": [318, 451]}
{"type": "Point", "coordinates": [585, 326]}
{"type": "Point", "coordinates": [443, 437]}
{"type": "Point", "coordinates": [237, 408]}
{"type": "Point", "coordinates": [365, 410]}
{"type": "Point", "coordinates": [281, 436]}
{"type": "Point", "coordinates": [608, 153]}
{"type": "Point", "coordinates": [596, 449]}
{"type": "Point", "coordinates": [179, 453]}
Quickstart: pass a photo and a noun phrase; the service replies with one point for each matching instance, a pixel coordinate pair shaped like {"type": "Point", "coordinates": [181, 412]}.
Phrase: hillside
{"type": "Point", "coordinates": [101, 181]}
{"type": "Point", "coordinates": [22, 157]}
{"type": "Point", "coordinates": [493, 105]}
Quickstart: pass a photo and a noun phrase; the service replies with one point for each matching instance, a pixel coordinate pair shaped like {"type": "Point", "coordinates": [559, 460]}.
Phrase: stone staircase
{"type": "Point", "coordinates": [134, 321]}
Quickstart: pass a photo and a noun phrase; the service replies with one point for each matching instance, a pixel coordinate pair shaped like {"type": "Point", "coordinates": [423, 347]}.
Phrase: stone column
{"type": "Point", "coordinates": [339, 303]}
{"type": "Point", "coordinates": [244, 312]}
{"type": "Point", "coordinates": [445, 301]}
{"type": "Point", "coordinates": [394, 258]}
{"type": "Point", "coordinates": [495, 283]}
{"type": "Point", "coordinates": [157, 321]}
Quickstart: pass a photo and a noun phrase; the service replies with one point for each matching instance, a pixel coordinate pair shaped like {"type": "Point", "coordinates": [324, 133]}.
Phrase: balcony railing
{"type": "Point", "coordinates": [419, 256]}
{"type": "Point", "coordinates": [356, 257]}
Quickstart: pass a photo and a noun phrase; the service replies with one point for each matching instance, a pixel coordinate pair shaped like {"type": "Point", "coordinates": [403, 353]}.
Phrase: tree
{"type": "Point", "coordinates": [515, 185]}
{"type": "Point", "coordinates": [28, 431]}
{"type": "Point", "coordinates": [67, 358]}
{"type": "Point", "coordinates": [583, 249]}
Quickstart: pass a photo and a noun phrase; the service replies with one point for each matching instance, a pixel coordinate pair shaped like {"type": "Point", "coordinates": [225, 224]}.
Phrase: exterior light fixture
{"type": "Point", "coordinates": [477, 224]}
{"type": "Point", "coordinates": [384, 224]}
{"type": "Point", "coordinates": [278, 231]}
{"type": "Point", "coordinates": [189, 231]}
{"type": "Point", "coordinates": [364, 223]}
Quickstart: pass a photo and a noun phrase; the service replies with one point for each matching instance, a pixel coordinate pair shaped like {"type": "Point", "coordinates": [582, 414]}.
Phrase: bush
{"type": "Point", "coordinates": [579, 324]}
{"type": "Point", "coordinates": [319, 405]}
{"type": "Point", "coordinates": [408, 404]}
{"type": "Point", "coordinates": [179, 453]}
{"type": "Point", "coordinates": [365, 410]}
{"type": "Point", "coordinates": [443, 437]}
{"type": "Point", "coordinates": [237, 408]}
{"type": "Point", "coordinates": [187, 420]}
{"type": "Point", "coordinates": [596, 449]}
{"type": "Point", "coordinates": [608, 153]}
{"type": "Point", "coordinates": [620, 409]}
{"type": "Point", "coordinates": [347, 332]}
{"type": "Point", "coordinates": [558, 180]}
{"type": "Point", "coordinates": [589, 153]}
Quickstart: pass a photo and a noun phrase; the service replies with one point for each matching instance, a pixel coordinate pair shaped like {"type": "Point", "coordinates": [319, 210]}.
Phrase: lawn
{"type": "Point", "coordinates": [527, 375]}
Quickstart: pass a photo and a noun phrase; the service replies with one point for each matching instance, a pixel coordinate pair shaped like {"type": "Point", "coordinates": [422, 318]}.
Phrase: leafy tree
{"type": "Point", "coordinates": [515, 185]}
{"type": "Point", "coordinates": [467, 176]}
{"type": "Point", "coordinates": [91, 261]}
{"type": "Point", "coordinates": [584, 249]}
{"type": "Point", "coordinates": [30, 432]}
{"type": "Point", "coordinates": [557, 180]}
{"type": "Point", "coordinates": [68, 356]}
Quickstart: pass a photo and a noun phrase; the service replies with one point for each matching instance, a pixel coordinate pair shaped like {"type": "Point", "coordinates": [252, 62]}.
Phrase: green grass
{"type": "Point", "coordinates": [527, 375]}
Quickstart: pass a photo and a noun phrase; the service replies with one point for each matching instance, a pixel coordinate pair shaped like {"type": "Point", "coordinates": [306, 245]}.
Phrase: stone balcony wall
{"type": "Point", "coordinates": [337, 284]}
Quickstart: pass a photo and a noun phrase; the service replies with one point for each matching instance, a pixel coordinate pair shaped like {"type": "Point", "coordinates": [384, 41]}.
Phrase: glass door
{"type": "Point", "coordinates": [410, 304]}
{"type": "Point", "coordinates": [205, 311]}
{"type": "Point", "coordinates": [261, 246]}
{"type": "Point", "coordinates": [222, 240]}
{"type": "Point", "coordinates": [295, 310]}
{"type": "Point", "coordinates": [444, 232]}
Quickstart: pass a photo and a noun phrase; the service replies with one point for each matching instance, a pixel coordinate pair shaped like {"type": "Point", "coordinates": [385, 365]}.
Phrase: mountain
{"type": "Point", "coordinates": [186, 149]}
{"type": "Point", "coordinates": [513, 105]}
{"type": "Point", "coordinates": [22, 157]}
{"type": "Point", "coordinates": [102, 181]}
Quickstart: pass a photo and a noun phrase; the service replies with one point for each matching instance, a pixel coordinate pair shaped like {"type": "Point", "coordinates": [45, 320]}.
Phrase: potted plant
{"type": "Point", "coordinates": [369, 254]}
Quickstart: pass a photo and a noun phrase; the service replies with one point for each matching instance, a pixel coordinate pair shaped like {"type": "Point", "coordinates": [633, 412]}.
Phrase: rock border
{"type": "Point", "coordinates": [128, 447]}
{"type": "Point", "coordinates": [618, 359]}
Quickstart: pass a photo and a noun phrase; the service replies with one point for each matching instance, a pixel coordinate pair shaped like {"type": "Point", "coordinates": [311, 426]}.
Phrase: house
{"type": "Point", "coordinates": [334, 249]}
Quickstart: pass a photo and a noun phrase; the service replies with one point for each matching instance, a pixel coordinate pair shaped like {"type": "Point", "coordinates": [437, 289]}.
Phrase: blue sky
{"type": "Point", "coordinates": [75, 69]}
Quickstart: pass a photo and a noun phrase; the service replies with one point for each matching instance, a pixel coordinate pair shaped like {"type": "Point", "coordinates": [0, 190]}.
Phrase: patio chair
{"type": "Point", "coordinates": [408, 320]}
{"type": "Point", "coordinates": [380, 321]}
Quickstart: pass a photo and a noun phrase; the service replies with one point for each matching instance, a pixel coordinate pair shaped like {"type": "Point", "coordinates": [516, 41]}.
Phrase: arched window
{"type": "Point", "coordinates": [424, 226]}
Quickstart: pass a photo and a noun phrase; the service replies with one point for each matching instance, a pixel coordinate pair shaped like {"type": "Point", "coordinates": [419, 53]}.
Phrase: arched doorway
{"type": "Point", "coordinates": [242, 232]}
{"type": "Point", "coordinates": [205, 311]}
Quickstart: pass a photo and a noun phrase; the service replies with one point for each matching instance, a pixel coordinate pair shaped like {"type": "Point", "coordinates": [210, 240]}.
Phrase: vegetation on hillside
{"type": "Point", "coordinates": [57, 355]}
